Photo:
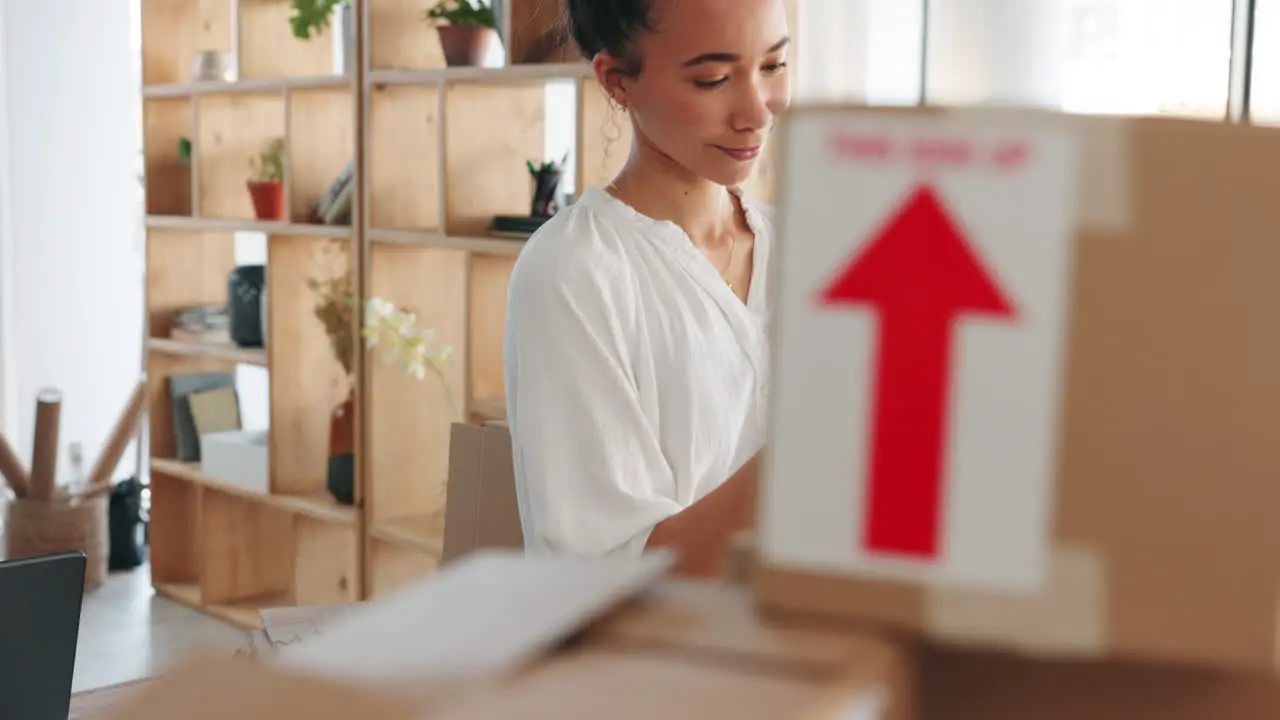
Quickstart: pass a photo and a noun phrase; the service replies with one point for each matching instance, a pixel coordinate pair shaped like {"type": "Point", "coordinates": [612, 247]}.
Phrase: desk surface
{"type": "Point", "coordinates": [92, 704]}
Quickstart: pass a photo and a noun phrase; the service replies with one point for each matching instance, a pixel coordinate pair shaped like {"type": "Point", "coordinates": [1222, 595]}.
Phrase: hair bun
{"type": "Point", "coordinates": [606, 25]}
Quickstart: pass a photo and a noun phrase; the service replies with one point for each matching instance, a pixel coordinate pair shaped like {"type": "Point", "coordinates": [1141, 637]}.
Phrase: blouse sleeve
{"type": "Point", "coordinates": [590, 475]}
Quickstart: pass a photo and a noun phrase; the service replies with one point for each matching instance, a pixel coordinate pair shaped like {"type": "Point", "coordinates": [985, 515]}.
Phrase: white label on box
{"type": "Point", "coordinates": [922, 307]}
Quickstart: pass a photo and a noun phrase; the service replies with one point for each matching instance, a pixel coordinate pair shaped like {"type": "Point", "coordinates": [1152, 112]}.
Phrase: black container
{"type": "Point", "coordinates": [127, 529]}
{"type": "Point", "coordinates": [244, 304]}
{"type": "Point", "coordinates": [546, 183]}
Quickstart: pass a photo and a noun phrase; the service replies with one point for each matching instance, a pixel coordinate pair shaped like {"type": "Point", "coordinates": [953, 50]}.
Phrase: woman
{"type": "Point", "coordinates": [636, 346]}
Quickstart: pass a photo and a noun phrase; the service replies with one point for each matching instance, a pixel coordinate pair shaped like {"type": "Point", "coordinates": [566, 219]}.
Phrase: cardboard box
{"type": "Point", "coordinates": [621, 641]}
{"type": "Point", "coordinates": [498, 635]}
{"type": "Point", "coordinates": [966, 685]}
{"type": "Point", "coordinates": [239, 458]}
{"type": "Point", "coordinates": [1159, 526]}
{"type": "Point", "coordinates": [481, 507]}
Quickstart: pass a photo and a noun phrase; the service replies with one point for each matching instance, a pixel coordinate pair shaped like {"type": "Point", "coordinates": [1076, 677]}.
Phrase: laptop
{"type": "Point", "coordinates": [40, 601]}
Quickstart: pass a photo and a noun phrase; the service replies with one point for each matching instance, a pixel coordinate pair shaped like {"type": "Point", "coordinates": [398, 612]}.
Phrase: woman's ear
{"type": "Point", "coordinates": [612, 76]}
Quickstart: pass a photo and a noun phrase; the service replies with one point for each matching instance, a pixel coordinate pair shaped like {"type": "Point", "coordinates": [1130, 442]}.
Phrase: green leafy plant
{"type": "Point", "coordinates": [312, 16]}
{"type": "Point", "coordinates": [184, 150]}
{"type": "Point", "coordinates": [550, 166]}
{"type": "Point", "coordinates": [268, 165]}
{"type": "Point", "coordinates": [463, 12]}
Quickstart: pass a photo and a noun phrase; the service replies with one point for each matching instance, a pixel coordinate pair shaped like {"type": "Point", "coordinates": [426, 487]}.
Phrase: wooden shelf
{"type": "Point", "coordinates": [428, 239]}
{"type": "Point", "coordinates": [179, 222]}
{"type": "Point", "coordinates": [182, 593]}
{"type": "Point", "coordinates": [511, 74]}
{"type": "Point", "coordinates": [243, 614]}
{"type": "Point", "coordinates": [252, 85]}
{"type": "Point", "coordinates": [421, 532]}
{"type": "Point", "coordinates": [319, 506]}
{"type": "Point", "coordinates": [249, 356]}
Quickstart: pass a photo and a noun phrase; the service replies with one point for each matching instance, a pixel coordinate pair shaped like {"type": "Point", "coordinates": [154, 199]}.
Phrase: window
{"type": "Point", "coordinates": [860, 50]}
{"type": "Point", "coordinates": [1149, 57]}
{"type": "Point", "coordinates": [1095, 56]}
{"type": "Point", "coordinates": [1265, 82]}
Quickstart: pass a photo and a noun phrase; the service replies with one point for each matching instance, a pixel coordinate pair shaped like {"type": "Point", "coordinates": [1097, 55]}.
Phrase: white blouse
{"type": "Point", "coordinates": [635, 379]}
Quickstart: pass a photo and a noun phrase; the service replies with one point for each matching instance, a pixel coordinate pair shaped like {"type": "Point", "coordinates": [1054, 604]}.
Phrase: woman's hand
{"type": "Point", "coordinates": [702, 533]}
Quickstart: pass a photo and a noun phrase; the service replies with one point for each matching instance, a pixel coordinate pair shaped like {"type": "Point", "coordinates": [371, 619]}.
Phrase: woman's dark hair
{"type": "Point", "coordinates": [609, 26]}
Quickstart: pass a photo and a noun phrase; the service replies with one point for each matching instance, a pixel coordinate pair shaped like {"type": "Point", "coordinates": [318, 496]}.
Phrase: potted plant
{"type": "Point", "coordinates": [266, 186]}
{"type": "Point", "coordinates": [466, 27]}
{"type": "Point", "coordinates": [385, 326]}
{"type": "Point", "coordinates": [546, 185]}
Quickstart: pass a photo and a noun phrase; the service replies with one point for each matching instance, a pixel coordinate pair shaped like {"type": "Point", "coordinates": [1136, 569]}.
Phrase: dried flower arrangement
{"type": "Point", "coordinates": [335, 304]}
{"type": "Point", "coordinates": [395, 330]}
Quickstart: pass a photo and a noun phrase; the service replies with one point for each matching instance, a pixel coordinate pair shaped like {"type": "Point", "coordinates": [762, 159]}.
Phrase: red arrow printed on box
{"type": "Point", "coordinates": [920, 273]}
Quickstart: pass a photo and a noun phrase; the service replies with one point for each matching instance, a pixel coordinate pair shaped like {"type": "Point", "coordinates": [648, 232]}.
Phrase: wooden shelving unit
{"type": "Point", "coordinates": [445, 152]}
{"type": "Point", "coordinates": [442, 151]}
{"type": "Point", "coordinates": [216, 546]}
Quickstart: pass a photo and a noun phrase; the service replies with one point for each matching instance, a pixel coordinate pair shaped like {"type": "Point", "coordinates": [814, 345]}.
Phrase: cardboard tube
{"type": "Point", "coordinates": [11, 467]}
{"type": "Point", "coordinates": [44, 451]}
{"type": "Point", "coordinates": [118, 440]}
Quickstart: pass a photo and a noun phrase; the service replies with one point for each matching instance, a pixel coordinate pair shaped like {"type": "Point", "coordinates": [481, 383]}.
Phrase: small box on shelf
{"type": "Point", "coordinates": [237, 457]}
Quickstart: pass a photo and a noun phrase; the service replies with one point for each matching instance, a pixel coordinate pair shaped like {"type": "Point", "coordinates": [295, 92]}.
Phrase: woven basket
{"type": "Point", "coordinates": [43, 527]}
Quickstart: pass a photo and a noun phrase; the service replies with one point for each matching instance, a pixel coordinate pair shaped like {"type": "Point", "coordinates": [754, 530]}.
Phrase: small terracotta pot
{"type": "Point", "coordinates": [268, 199]}
{"type": "Point", "coordinates": [464, 45]}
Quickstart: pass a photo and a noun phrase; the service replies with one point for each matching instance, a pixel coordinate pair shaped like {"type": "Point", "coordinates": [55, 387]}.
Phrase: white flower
{"type": "Point", "coordinates": [405, 344]}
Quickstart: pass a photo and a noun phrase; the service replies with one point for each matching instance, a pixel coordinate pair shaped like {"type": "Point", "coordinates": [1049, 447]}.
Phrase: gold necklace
{"type": "Point", "coordinates": [724, 274]}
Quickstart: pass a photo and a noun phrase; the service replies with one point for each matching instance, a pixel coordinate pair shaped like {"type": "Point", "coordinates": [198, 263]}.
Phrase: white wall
{"type": "Point", "coordinates": [71, 266]}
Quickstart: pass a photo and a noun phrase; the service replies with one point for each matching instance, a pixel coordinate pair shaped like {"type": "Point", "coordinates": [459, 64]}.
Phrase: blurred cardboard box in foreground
{"type": "Point", "coordinates": [621, 640]}
{"type": "Point", "coordinates": [498, 635]}
{"type": "Point", "coordinates": [1026, 384]}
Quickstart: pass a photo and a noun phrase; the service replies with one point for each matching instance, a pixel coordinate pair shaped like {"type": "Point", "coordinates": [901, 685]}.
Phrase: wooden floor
{"type": "Point", "coordinates": [127, 632]}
